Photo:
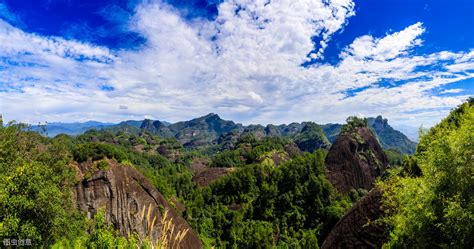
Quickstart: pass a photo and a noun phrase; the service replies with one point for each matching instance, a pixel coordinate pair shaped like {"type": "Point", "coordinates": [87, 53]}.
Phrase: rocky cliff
{"type": "Point", "coordinates": [131, 203]}
{"type": "Point", "coordinates": [355, 160]}
{"type": "Point", "coordinates": [358, 228]}
{"type": "Point", "coordinates": [391, 138]}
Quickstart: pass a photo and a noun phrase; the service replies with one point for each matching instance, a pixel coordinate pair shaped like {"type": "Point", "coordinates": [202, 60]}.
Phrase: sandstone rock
{"type": "Point", "coordinates": [355, 160]}
{"type": "Point", "coordinates": [358, 228]}
{"type": "Point", "coordinates": [131, 203]}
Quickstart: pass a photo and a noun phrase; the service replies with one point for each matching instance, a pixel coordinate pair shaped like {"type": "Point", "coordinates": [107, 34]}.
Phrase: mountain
{"type": "Point", "coordinates": [202, 131]}
{"type": "Point", "coordinates": [390, 138]}
{"type": "Point", "coordinates": [410, 131]}
{"type": "Point", "coordinates": [311, 138]}
{"type": "Point", "coordinates": [359, 228]}
{"type": "Point", "coordinates": [54, 128]}
{"type": "Point", "coordinates": [409, 208]}
{"type": "Point", "coordinates": [332, 131]}
{"type": "Point", "coordinates": [125, 186]}
{"type": "Point", "coordinates": [355, 160]}
{"type": "Point", "coordinates": [213, 131]}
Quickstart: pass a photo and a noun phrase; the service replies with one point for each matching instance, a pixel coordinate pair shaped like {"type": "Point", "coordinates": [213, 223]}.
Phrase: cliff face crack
{"type": "Point", "coordinates": [147, 190]}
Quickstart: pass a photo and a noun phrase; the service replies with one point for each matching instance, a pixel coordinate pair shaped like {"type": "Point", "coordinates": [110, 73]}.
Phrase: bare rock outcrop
{"type": "Point", "coordinates": [131, 202]}
{"type": "Point", "coordinates": [358, 228]}
{"type": "Point", "coordinates": [355, 160]}
{"type": "Point", "coordinates": [209, 175]}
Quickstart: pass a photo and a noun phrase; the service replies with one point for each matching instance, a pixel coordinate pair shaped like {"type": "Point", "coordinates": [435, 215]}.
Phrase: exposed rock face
{"type": "Point", "coordinates": [208, 175]}
{"type": "Point", "coordinates": [355, 160]}
{"type": "Point", "coordinates": [358, 229]}
{"type": "Point", "coordinates": [131, 202]}
{"type": "Point", "coordinates": [205, 175]}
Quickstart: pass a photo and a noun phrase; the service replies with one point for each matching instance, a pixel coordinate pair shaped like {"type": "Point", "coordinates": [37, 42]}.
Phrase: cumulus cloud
{"type": "Point", "coordinates": [244, 65]}
{"type": "Point", "coordinates": [386, 48]}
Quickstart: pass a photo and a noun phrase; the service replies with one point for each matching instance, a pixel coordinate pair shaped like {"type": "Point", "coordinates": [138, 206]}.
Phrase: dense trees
{"type": "Point", "coordinates": [288, 202]}
{"type": "Point", "coordinates": [35, 194]}
{"type": "Point", "coordinates": [431, 202]}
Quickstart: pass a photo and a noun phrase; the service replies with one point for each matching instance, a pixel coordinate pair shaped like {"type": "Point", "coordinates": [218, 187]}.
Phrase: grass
{"type": "Point", "coordinates": [170, 236]}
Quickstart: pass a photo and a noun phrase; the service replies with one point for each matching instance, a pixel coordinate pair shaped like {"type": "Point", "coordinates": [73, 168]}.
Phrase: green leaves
{"type": "Point", "coordinates": [432, 204]}
{"type": "Point", "coordinates": [291, 205]}
{"type": "Point", "coordinates": [35, 200]}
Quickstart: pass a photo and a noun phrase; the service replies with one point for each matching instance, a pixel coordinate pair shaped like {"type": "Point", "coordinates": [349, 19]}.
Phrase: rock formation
{"type": "Point", "coordinates": [390, 138]}
{"type": "Point", "coordinates": [358, 227]}
{"type": "Point", "coordinates": [131, 202]}
{"type": "Point", "coordinates": [355, 160]}
{"type": "Point", "coordinates": [208, 175]}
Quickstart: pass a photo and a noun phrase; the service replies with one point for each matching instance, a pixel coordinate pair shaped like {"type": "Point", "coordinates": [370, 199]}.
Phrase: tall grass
{"type": "Point", "coordinates": [170, 236]}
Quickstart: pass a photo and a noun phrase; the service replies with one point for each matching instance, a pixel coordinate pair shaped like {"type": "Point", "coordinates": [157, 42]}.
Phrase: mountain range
{"type": "Point", "coordinates": [211, 130]}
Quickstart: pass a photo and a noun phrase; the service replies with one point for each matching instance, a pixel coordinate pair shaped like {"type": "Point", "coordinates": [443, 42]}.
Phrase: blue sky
{"type": "Point", "coordinates": [250, 61]}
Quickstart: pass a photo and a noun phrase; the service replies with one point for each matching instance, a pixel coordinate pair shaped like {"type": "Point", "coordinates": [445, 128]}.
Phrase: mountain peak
{"type": "Point", "coordinates": [211, 116]}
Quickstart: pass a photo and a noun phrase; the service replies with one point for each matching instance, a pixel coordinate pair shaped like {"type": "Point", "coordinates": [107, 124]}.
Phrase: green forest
{"type": "Point", "coordinates": [271, 191]}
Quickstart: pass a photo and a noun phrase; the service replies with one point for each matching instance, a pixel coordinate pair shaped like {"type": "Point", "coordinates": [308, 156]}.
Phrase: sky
{"type": "Point", "coordinates": [260, 61]}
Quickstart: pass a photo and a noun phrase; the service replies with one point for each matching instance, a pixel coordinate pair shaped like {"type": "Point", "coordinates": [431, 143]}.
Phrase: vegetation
{"type": "Point", "coordinates": [268, 206]}
{"type": "Point", "coordinates": [311, 138]}
{"type": "Point", "coordinates": [353, 122]}
{"type": "Point", "coordinates": [395, 158]}
{"type": "Point", "coordinates": [431, 202]}
{"type": "Point", "coordinates": [276, 196]}
{"type": "Point", "coordinates": [35, 181]}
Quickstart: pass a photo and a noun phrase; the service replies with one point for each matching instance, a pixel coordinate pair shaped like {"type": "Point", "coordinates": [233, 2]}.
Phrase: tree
{"type": "Point", "coordinates": [431, 205]}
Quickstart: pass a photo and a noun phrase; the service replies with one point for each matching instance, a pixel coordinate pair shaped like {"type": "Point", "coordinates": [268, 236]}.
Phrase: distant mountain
{"type": "Point", "coordinates": [390, 138]}
{"type": "Point", "coordinates": [332, 131]}
{"type": "Point", "coordinates": [77, 128]}
{"type": "Point", "coordinates": [202, 131]}
{"type": "Point", "coordinates": [311, 137]}
{"type": "Point", "coordinates": [410, 131]}
{"type": "Point", "coordinates": [212, 130]}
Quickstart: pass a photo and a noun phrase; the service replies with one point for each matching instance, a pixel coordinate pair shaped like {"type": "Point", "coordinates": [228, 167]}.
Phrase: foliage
{"type": "Point", "coordinates": [352, 123]}
{"type": "Point", "coordinates": [259, 199]}
{"type": "Point", "coordinates": [434, 208]}
{"type": "Point", "coordinates": [311, 138]}
{"type": "Point", "coordinates": [249, 150]}
{"type": "Point", "coordinates": [98, 151]}
{"type": "Point", "coordinates": [35, 188]}
{"type": "Point", "coordinates": [395, 158]}
{"type": "Point", "coordinates": [100, 234]}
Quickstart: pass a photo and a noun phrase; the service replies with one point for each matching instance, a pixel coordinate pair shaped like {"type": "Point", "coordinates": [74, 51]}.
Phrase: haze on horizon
{"type": "Point", "coordinates": [248, 61]}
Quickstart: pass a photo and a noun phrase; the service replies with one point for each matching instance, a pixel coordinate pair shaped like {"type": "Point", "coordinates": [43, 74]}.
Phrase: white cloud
{"type": "Point", "coordinates": [245, 65]}
{"type": "Point", "coordinates": [388, 47]}
{"type": "Point", "coordinates": [456, 90]}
